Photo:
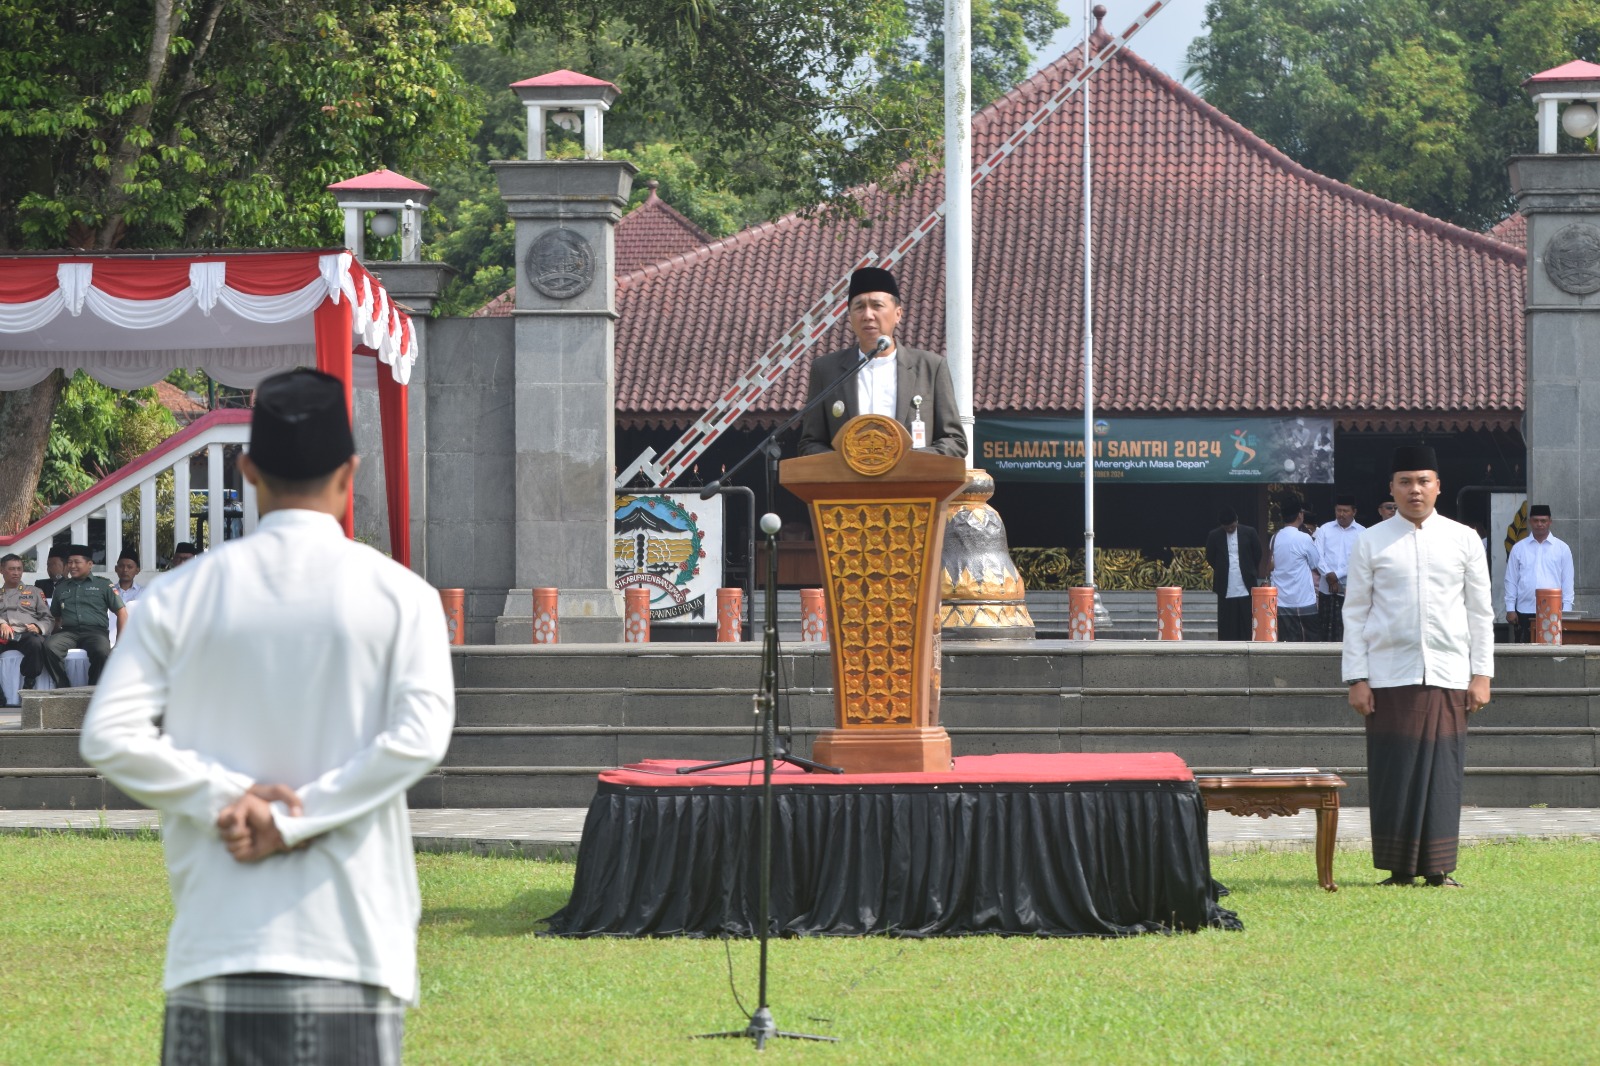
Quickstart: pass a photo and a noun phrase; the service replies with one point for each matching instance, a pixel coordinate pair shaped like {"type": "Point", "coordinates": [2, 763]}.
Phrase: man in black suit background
{"type": "Point", "coordinates": [907, 384]}
{"type": "Point", "coordinates": [1234, 552]}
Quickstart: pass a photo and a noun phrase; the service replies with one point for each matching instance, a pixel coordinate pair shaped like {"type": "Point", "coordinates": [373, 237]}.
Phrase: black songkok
{"type": "Point", "coordinates": [80, 549]}
{"type": "Point", "coordinates": [1414, 457]}
{"type": "Point", "coordinates": [873, 279]}
{"type": "Point", "coordinates": [1539, 510]}
{"type": "Point", "coordinates": [301, 426]}
{"type": "Point", "coordinates": [1344, 499]}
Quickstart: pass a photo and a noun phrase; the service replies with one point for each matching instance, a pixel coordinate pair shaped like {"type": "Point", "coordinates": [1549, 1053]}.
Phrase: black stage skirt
{"type": "Point", "coordinates": [1416, 763]}
{"type": "Point", "coordinates": [1078, 859]}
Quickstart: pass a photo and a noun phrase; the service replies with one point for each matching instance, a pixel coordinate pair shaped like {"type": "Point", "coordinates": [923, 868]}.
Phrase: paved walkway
{"type": "Point", "coordinates": [553, 832]}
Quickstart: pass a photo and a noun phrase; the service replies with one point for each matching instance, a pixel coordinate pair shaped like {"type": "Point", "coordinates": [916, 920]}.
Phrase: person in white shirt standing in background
{"type": "Point", "coordinates": [127, 571]}
{"type": "Point", "coordinates": [1334, 541]}
{"type": "Point", "coordinates": [1542, 561]}
{"type": "Point", "coordinates": [1418, 657]}
{"type": "Point", "coordinates": [1293, 564]}
{"type": "Point", "coordinates": [274, 700]}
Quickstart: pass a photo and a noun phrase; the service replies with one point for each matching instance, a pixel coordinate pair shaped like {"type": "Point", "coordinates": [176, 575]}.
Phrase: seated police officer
{"type": "Point", "coordinates": [24, 619]}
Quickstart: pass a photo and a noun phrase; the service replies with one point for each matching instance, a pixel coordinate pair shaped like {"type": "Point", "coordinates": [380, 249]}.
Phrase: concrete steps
{"type": "Point", "coordinates": [536, 724]}
{"type": "Point", "coordinates": [1129, 615]}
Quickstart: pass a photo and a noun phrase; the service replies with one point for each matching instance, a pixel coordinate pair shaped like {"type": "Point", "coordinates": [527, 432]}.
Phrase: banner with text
{"type": "Point", "coordinates": [1149, 450]}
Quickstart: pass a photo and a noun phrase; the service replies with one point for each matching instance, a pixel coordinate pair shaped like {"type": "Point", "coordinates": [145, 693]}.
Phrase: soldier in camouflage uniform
{"type": "Point", "coordinates": [80, 606]}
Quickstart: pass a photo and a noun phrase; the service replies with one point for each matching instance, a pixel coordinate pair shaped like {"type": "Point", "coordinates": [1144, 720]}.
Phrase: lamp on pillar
{"type": "Point", "coordinates": [394, 202]}
{"type": "Point", "coordinates": [385, 203]}
{"type": "Point", "coordinates": [1554, 191]}
{"type": "Point", "coordinates": [1573, 90]}
{"type": "Point", "coordinates": [573, 102]}
{"type": "Point", "coordinates": [565, 213]}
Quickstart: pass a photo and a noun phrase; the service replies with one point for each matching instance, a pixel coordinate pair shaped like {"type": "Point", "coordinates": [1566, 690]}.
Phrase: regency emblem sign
{"type": "Point", "coordinates": [1572, 259]}
{"type": "Point", "coordinates": [560, 264]}
{"type": "Point", "coordinates": [872, 444]}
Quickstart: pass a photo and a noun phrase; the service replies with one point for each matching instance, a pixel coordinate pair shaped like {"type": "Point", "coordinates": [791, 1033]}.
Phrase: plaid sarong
{"type": "Point", "coordinates": [1332, 616]}
{"type": "Point", "coordinates": [281, 1020]}
{"type": "Point", "coordinates": [1416, 765]}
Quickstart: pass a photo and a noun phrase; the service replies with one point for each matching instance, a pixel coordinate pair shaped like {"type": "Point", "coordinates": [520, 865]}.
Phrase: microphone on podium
{"type": "Point", "coordinates": [714, 487]}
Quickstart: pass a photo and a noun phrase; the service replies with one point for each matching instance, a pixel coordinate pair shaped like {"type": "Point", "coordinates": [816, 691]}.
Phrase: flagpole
{"type": "Point", "coordinates": [958, 207]}
{"type": "Point", "coordinates": [1088, 330]}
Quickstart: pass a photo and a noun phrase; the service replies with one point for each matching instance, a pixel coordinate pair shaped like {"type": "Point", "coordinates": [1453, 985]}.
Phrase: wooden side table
{"type": "Point", "coordinates": [1284, 794]}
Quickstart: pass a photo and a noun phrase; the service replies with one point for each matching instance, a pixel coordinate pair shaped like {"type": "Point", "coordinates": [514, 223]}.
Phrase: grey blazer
{"type": "Point", "coordinates": [920, 374]}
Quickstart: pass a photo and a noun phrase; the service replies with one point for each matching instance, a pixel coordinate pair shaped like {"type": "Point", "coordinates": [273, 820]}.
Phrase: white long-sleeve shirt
{"type": "Point", "coordinates": [1533, 566]}
{"type": "Point", "coordinates": [290, 656]}
{"type": "Point", "coordinates": [1333, 546]}
{"type": "Point", "coordinates": [1294, 563]}
{"type": "Point", "coordinates": [878, 386]}
{"type": "Point", "coordinates": [1417, 608]}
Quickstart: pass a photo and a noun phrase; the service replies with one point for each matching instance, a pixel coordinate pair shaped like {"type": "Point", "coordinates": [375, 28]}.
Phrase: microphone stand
{"type": "Point", "coordinates": [769, 445]}
{"type": "Point", "coordinates": [770, 448]}
{"type": "Point", "coordinates": [761, 1025]}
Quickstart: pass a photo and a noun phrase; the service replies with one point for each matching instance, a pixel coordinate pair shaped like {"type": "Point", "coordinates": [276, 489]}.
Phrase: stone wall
{"type": "Point", "coordinates": [468, 388]}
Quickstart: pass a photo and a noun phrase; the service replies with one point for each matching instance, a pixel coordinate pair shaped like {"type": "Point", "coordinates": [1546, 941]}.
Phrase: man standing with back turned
{"type": "Point", "coordinates": [301, 683]}
{"type": "Point", "coordinates": [1418, 656]}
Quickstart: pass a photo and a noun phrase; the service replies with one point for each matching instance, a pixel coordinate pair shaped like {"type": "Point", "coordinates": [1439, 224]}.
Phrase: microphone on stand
{"type": "Point", "coordinates": [714, 487]}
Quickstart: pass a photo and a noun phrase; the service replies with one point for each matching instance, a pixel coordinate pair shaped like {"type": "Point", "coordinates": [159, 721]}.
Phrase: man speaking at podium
{"type": "Point", "coordinates": [907, 384]}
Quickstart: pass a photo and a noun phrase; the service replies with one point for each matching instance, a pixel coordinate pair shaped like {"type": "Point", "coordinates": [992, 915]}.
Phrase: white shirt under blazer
{"type": "Point", "coordinates": [1417, 608]}
{"type": "Point", "coordinates": [291, 656]}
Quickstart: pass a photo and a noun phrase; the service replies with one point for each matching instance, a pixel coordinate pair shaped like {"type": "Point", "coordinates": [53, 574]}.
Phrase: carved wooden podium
{"type": "Point", "coordinates": [878, 511]}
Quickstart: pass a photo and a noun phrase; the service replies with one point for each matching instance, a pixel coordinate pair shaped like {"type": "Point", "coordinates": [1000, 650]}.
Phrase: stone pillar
{"type": "Point", "coordinates": [417, 285]}
{"type": "Point", "coordinates": [1560, 197]}
{"type": "Point", "coordinates": [565, 212]}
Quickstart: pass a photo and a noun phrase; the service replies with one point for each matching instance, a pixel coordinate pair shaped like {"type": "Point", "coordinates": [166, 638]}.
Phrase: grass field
{"type": "Point", "coordinates": [1504, 971]}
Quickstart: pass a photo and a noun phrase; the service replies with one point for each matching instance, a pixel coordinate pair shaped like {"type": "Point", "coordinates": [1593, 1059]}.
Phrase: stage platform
{"type": "Point", "coordinates": [1016, 844]}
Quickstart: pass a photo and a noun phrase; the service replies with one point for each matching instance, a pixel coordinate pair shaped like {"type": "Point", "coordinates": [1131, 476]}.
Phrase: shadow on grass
{"type": "Point", "coordinates": [518, 916]}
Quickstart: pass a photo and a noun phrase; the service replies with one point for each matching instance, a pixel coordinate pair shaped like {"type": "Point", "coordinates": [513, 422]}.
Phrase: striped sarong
{"type": "Point", "coordinates": [1416, 762]}
{"type": "Point", "coordinates": [281, 1020]}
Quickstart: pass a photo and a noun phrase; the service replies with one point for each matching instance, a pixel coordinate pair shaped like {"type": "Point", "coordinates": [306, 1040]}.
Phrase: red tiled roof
{"type": "Point", "coordinates": [653, 231]}
{"type": "Point", "coordinates": [649, 233]}
{"type": "Point", "coordinates": [177, 401]}
{"type": "Point", "coordinates": [1227, 279]}
{"type": "Point", "coordinates": [1512, 231]}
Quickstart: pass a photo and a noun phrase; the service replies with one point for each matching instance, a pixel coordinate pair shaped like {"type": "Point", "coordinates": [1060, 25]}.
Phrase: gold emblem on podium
{"type": "Point", "coordinates": [872, 444]}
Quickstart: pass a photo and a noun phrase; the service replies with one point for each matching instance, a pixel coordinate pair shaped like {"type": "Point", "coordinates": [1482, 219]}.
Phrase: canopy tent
{"type": "Point", "coordinates": [129, 319]}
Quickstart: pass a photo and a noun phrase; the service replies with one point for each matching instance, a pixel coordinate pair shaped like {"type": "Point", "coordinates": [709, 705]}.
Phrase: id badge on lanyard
{"type": "Point", "coordinates": [919, 428]}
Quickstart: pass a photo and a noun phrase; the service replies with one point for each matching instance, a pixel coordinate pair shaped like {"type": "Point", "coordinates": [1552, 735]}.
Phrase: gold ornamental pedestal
{"type": "Point", "coordinates": [877, 508]}
{"type": "Point", "coordinates": [981, 589]}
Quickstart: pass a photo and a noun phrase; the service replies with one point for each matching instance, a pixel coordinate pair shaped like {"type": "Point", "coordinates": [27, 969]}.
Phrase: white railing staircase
{"type": "Point", "coordinates": [208, 434]}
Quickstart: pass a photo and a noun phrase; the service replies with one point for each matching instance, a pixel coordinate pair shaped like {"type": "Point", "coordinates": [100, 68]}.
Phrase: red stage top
{"type": "Point", "coordinates": [1015, 769]}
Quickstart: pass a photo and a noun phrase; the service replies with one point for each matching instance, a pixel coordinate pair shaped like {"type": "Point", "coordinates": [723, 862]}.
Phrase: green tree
{"type": "Point", "coordinates": [1421, 103]}
{"type": "Point", "coordinates": [211, 123]}
{"type": "Point", "coordinates": [802, 110]}
{"type": "Point", "coordinates": [97, 429]}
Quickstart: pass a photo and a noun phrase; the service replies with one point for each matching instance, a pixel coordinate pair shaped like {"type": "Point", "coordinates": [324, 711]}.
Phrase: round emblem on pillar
{"type": "Point", "coordinates": [1572, 259]}
{"type": "Point", "coordinates": [560, 264]}
{"type": "Point", "coordinates": [873, 444]}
